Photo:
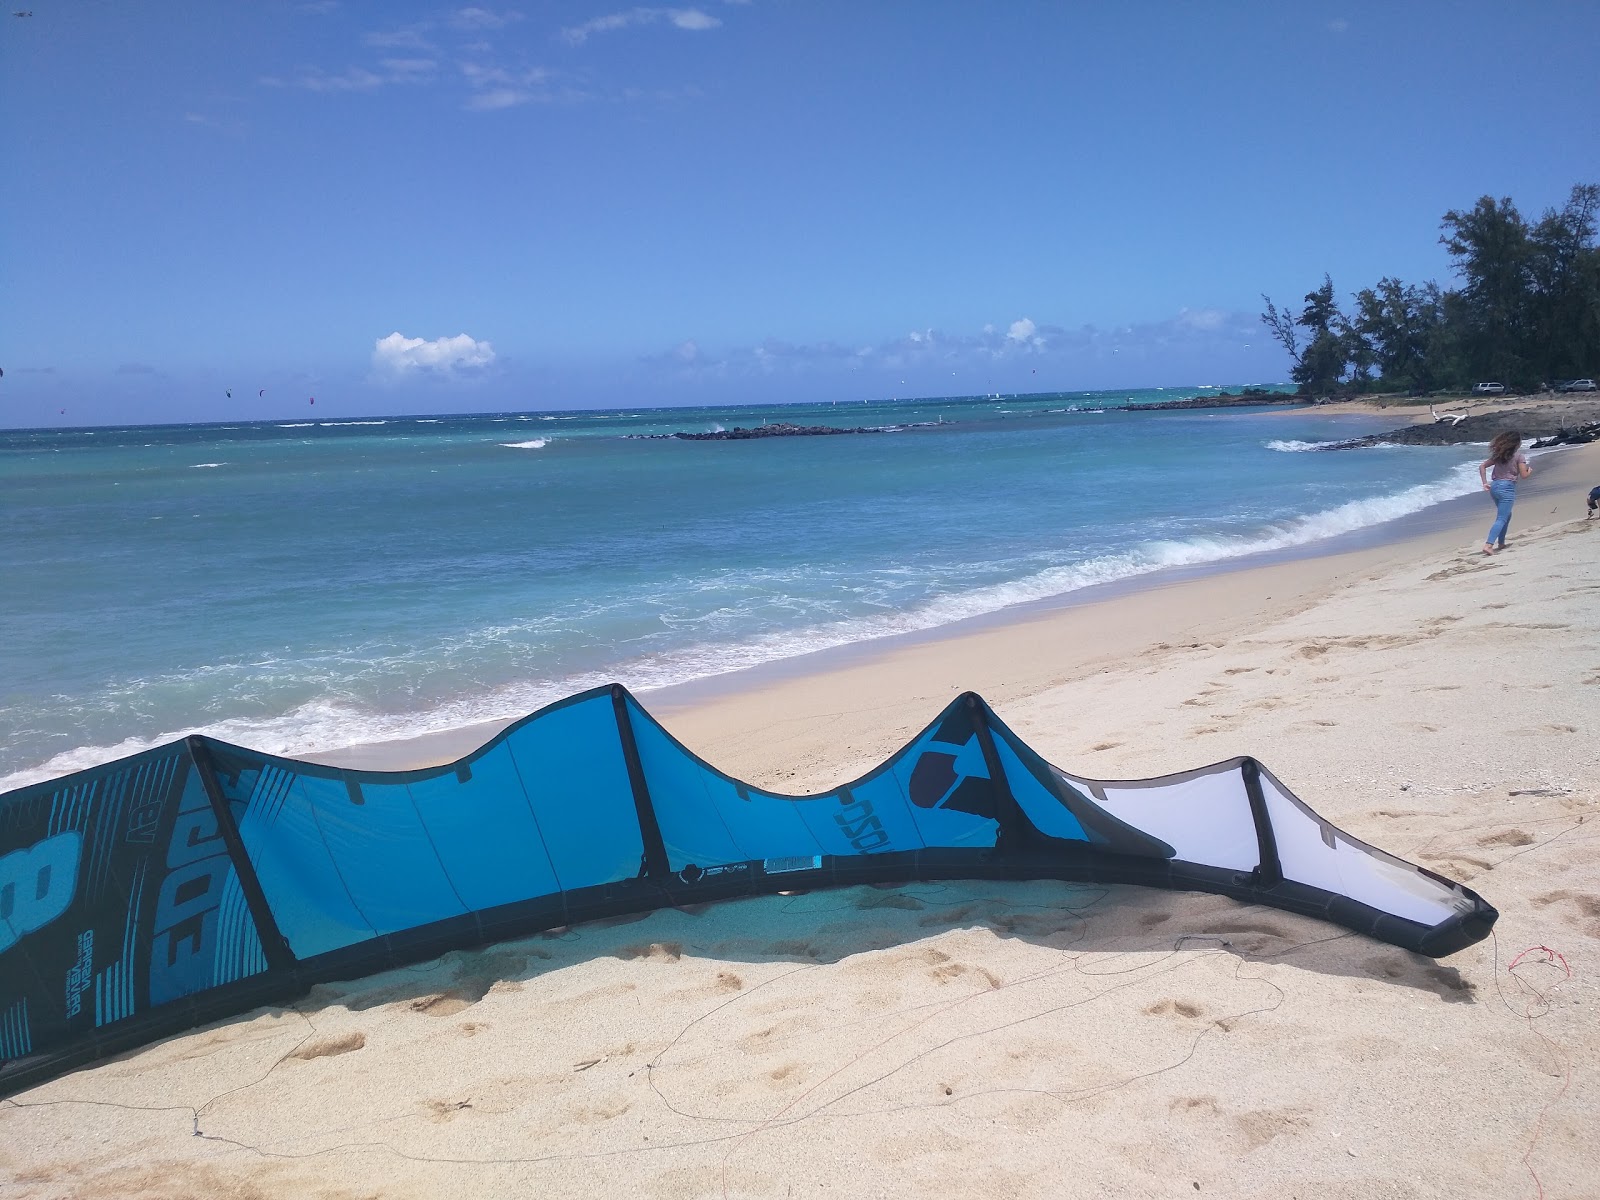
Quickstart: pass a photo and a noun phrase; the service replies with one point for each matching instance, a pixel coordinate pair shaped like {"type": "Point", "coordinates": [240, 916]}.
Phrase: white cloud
{"type": "Point", "coordinates": [409, 38]}
{"type": "Point", "coordinates": [931, 350]}
{"type": "Point", "coordinates": [410, 70]}
{"type": "Point", "coordinates": [501, 97]}
{"type": "Point", "coordinates": [353, 79]}
{"type": "Point", "coordinates": [691, 19]}
{"type": "Point", "coordinates": [1203, 319]}
{"type": "Point", "coordinates": [398, 356]}
{"type": "Point", "coordinates": [360, 79]}
{"type": "Point", "coordinates": [1338, 25]}
{"type": "Point", "coordinates": [495, 87]}
{"type": "Point", "coordinates": [483, 18]}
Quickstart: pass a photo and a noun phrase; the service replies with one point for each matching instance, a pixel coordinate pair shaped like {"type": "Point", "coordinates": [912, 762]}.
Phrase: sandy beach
{"type": "Point", "coordinates": [1007, 1040]}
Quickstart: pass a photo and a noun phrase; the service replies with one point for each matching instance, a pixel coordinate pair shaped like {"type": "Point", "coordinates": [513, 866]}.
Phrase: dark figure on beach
{"type": "Point", "coordinates": [1594, 501]}
{"type": "Point", "coordinates": [1499, 474]}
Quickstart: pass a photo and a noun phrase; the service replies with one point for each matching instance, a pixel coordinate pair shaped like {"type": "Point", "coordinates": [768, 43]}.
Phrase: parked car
{"type": "Point", "coordinates": [1490, 387]}
{"type": "Point", "coordinates": [1578, 385]}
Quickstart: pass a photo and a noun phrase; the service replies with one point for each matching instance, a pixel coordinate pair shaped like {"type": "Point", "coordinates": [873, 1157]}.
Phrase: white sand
{"type": "Point", "coordinates": [1006, 1040]}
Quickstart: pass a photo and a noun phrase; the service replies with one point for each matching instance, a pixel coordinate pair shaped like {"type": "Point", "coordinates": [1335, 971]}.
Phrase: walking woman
{"type": "Point", "coordinates": [1499, 474]}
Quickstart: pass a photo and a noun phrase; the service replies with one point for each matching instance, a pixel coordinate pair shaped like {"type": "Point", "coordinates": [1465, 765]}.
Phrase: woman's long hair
{"type": "Point", "coordinates": [1504, 446]}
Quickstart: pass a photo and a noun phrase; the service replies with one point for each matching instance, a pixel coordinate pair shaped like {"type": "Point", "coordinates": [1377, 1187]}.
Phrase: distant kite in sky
{"type": "Point", "coordinates": [230, 393]}
{"type": "Point", "coordinates": [261, 393]}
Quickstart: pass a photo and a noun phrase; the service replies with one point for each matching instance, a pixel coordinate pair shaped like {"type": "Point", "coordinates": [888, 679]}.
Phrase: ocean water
{"type": "Point", "coordinates": [300, 585]}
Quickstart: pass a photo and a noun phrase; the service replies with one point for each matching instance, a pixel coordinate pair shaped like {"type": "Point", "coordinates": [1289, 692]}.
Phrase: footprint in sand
{"type": "Point", "coordinates": [1259, 1128]}
{"type": "Point", "coordinates": [1587, 904]}
{"type": "Point", "coordinates": [956, 970]}
{"type": "Point", "coordinates": [446, 1110]}
{"type": "Point", "coordinates": [607, 1109]}
{"type": "Point", "coordinates": [1509, 837]}
{"type": "Point", "coordinates": [441, 1004]}
{"type": "Point", "coordinates": [787, 1075]}
{"type": "Point", "coordinates": [1415, 971]}
{"type": "Point", "coordinates": [889, 900]}
{"type": "Point", "coordinates": [1389, 968]}
{"type": "Point", "coordinates": [660, 951]}
{"type": "Point", "coordinates": [792, 949]}
{"type": "Point", "coordinates": [948, 916]}
{"type": "Point", "coordinates": [1463, 568]}
{"type": "Point", "coordinates": [1174, 1008]}
{"type": "Point", "coordinates": [328, 1047]}
{"type": "Point", "coordinates": [1463, 867]}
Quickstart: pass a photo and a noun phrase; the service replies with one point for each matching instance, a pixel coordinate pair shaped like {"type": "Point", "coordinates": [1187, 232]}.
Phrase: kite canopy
{"type": "Point", "coordinates": [200, 879]}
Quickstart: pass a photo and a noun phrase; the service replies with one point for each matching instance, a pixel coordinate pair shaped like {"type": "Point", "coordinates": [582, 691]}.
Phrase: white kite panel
{"type": "Point", "coordinates": [1350, 870]}
{"type": "Point", "coordinates": [1205, 818]}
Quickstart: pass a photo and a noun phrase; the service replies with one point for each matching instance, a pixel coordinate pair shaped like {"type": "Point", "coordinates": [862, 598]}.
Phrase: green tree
{"type": "Point", "coordinates": [1490, 245]}
{"type": "Point", "coordinates": [1323, 363]}
{"type": "Point", "coordinates": [1320, 366]}
{"type": "Point", "coordinates": [1395, 325]}
{"type": "Point", "coordinates": [1564, 280]}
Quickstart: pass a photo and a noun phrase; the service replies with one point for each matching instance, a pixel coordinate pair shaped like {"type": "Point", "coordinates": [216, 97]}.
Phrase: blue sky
{"type": "Point", "coordinates": [403, 207]}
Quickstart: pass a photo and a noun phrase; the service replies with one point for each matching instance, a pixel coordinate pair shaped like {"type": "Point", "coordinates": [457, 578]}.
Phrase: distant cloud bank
{"type": "Point", "coordinates": [691, 19]}
{"type": "Point", "coordinates": [943, 354]}
{"type": "Point", "coordinates": [399, 357]}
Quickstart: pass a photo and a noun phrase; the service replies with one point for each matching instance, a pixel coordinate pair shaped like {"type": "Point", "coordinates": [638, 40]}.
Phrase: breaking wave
{"type": "Point", "coordinates": [328, 723]}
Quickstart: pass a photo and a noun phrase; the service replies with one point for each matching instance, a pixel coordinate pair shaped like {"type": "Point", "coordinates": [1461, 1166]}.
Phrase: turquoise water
{"type": "Point", "coordinates": [302, 585]}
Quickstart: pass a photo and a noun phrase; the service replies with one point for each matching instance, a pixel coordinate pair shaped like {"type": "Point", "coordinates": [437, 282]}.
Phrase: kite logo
{"type": "Point", "coordinates": [37, 884]}
{"type": "Point", "coordinates": [954, 777]}
{"type": "Point", "coordinates": [198, 866]}
{"type": "Point", "coordinates": [865, 831]}
{"type": "Point", "coordinates": [81, 974]}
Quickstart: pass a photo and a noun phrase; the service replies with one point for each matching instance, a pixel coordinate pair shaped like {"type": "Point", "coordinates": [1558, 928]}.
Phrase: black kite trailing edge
{"type": "Point", "coordinates": [200, 879]}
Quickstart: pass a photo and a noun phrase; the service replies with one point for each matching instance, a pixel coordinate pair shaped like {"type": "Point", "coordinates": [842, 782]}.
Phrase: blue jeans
{"type": "Point", "coordinates": [1504, 492]}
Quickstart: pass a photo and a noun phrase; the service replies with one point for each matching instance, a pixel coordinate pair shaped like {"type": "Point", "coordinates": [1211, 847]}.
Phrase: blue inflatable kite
{"type": "Point", "coordinates": [199, 879]}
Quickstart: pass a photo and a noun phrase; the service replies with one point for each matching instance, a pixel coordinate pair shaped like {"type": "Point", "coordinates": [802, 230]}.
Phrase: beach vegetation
{"type": "Point", "coordinates": [1525, 309]}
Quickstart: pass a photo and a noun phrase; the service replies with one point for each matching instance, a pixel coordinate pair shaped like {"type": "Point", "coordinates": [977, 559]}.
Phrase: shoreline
{"type": "Point", "coordinates": [1108, 616]}
{"type": "Point", "coordinates": [1430, 701]}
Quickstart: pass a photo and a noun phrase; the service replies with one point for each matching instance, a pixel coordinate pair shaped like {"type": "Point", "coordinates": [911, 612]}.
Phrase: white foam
{"type": "Point", "coordinates": [326, 724]}
{"type": "Point", "coordinates": [298, 425]}
{"type": "Point", "coordinates": [1293, 446]}
{"type": "Point", "coordinates": [331, 423]}
{"type": "Point", "coordinates": [197, 466]}
{"type": "Point", "coordinates": [535, 444]}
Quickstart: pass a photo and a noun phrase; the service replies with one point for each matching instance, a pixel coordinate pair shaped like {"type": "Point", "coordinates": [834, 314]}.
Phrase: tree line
{"type": "Point", "coordinates": [1526, 313]}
